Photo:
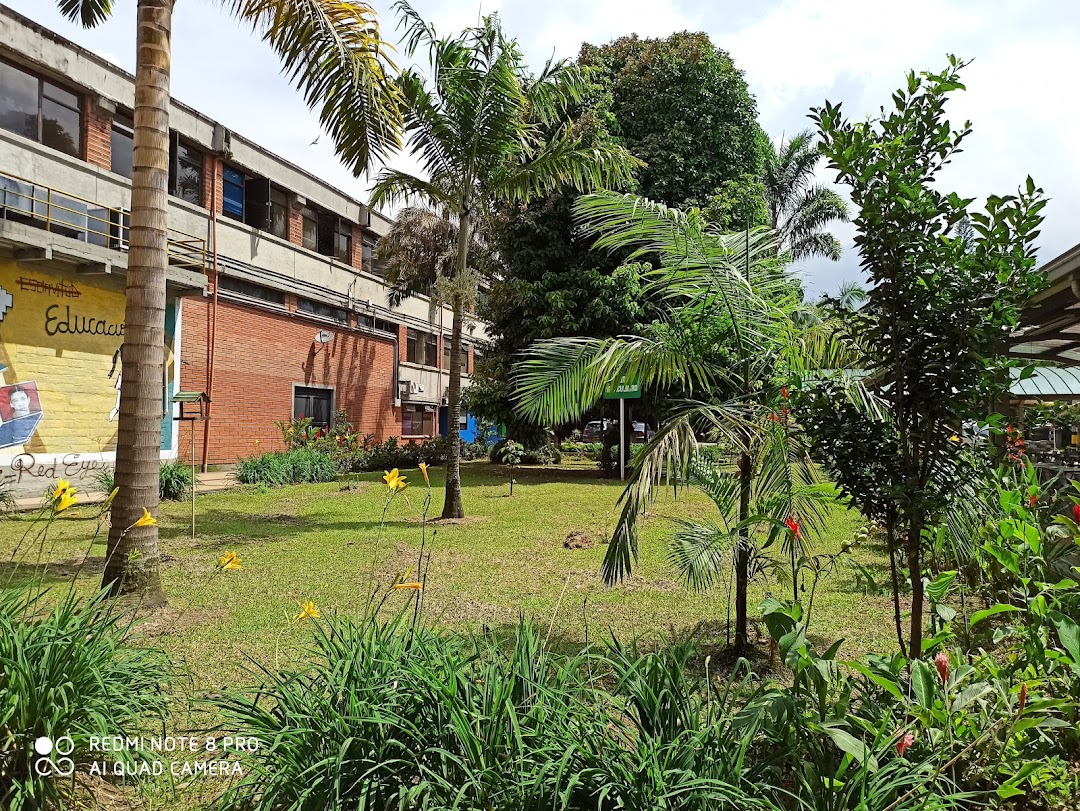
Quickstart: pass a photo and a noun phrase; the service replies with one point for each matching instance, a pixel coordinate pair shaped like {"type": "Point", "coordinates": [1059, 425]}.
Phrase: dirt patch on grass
{"type": "Point", "coordinates": [453, 522]}
{"type": "Point", "coordinates": [171, 620]}
{"type": "Point", "coordinates": [578, 539]}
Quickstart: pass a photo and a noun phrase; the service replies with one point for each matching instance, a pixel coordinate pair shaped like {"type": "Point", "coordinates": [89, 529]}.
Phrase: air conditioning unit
{"type": "Point", "coordinates": [221, 143]}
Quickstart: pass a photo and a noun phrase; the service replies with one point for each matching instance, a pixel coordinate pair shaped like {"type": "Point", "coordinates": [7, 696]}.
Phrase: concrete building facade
{"type": "Point", "coordinates": [276, 307]}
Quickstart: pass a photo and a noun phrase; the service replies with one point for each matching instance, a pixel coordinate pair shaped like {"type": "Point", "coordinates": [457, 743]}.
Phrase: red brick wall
{"type": "Point", "coordinates": [212, 183]}
{"type": "Point", "coordinates": [260, 356]}
{"type": "Point", "coordinates": [97, 136]}
{"type": "Point", "coordinates": [296, 224]}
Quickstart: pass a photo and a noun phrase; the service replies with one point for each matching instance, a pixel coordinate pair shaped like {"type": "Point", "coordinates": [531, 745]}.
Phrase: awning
{"type": "Point", "coordinates": [1050, 325]}
{"type": "Point", "coordinates": [1048, 383]}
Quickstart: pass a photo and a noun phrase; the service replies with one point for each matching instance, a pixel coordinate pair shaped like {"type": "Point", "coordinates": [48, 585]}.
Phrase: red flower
{"type": "Point", "coordinates": [783, 392]}
{"type": "Point", "coordinates": [1076, 513]}
{"type": "Point", "coordinates": [793, 524]}
{"type": "Point", "coordinates": [1023, 697]}
{"type": "Point", "coordinates": [904, 743]}
{"type": "Point", "coordinates": [1034, 498]}
{"type": "Point", "coordinates": [941, 662]}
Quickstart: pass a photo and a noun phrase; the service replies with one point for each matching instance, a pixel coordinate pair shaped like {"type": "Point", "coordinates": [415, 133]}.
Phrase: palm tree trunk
{"type": "Point", "coordinates": [133, 556]}
{"type": "Point", "coordinates": [742, 555]}
{"type": "Point", "coordinates": [452, 506]}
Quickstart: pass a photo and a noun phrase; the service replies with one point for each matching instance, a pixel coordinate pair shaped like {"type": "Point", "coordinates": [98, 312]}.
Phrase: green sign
{"type": "Point", "coordinates": [624, 390]}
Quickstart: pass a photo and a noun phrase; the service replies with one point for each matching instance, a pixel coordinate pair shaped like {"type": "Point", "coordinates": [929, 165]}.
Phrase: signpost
{"type": "Point", "coordinates": [623, 390]}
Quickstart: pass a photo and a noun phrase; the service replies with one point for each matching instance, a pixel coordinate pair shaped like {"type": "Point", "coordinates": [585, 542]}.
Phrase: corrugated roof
{"type": "Point", "coordinates": [1048, 383]}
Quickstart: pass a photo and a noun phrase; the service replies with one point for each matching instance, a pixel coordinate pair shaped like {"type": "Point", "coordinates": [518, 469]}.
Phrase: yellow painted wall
{"type": "Point", "coordinates": [62, 331]}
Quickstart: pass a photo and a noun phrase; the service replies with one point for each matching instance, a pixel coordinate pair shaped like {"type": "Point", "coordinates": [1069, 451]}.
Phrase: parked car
{"type": "Point", "coordinates": [594, 431]}
{"type": "Point", "coordinates": [642, 432]}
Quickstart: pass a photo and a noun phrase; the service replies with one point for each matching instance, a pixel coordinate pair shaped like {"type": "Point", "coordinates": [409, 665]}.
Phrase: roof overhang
{"type": "Point", "coordinates": [1049, 326]}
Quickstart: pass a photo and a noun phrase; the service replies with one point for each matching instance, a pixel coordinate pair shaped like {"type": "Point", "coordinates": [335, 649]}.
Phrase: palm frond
{"type": "Point", "coordinates": [698, 551]}
{"type": "Point", "coordinates": [333, 51]}
{"type": "Point", "coordinates": [89, 13]}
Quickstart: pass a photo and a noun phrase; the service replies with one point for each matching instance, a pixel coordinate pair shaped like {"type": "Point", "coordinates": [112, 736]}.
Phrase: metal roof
{"type": "Point", "coordinates": [1048, 383]}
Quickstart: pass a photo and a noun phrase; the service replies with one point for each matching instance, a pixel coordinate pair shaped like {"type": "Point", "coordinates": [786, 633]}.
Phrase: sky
{"type": "Point", "coordinates": [1022, 97]}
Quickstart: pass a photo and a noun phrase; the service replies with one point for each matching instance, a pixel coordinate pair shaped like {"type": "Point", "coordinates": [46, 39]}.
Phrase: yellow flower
{"type": "Point", "coordinates": [394, 480]}
{"type": "Point", "coordinates": [112, 496]}
{"type": "Point", "coordinates": [145, 520]}
{"type": "Point", "coordinates": [423, 469]}
{"type": "Point", "coordinates": [229, 562]}
{"type": "Point", "coordinates": [65, 500]}
{"type": "Point", "coordinates": [413, 586]}
{"type": "Point", "coordinates": [62, 486]}
{"type": "Point", "coordinates": [308, 611]}
{"type": "Point", "coordinates": [954, 438]}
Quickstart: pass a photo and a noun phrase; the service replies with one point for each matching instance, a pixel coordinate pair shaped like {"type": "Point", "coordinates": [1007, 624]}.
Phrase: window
{"type": "Point", "coordinates": [314, 403]}
{"type": "Point", "coordinates": [431, 349]}
{"type": "Point", "coordinates": [38, 109]}
{"type": "Point", "coordinates": [234, 285]}
{"type": "Point", "coordinates": [185, 171]}
{"type": "Point", "coordinates": [464, 355]}
{"type": "Point", "coordinates": [414, 347]}
{"type": "Point", "coordinates": [323, 309]}
{"type": "Point", "coordinates": [311, 228]}
{"type": "Point", "coordinates": [232, 194]}
{"type": "Point", "coordinates": [123, 144]}
{"type": "Point", "coordinates": [343, 241]}
{"type": "Point", "coordinates": [418, 420]}
{"type": "Point", "coordinates": [367, 255]}
{"type": "Point", "coordinates": [279, 213]}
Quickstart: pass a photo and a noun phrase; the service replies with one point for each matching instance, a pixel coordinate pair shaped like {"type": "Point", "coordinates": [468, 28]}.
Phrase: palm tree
{"type": "Point", "coordinates": [727, 337]}
{"type": "Point", "coordinates": [485, 131]}
{"type": "Point", "coordinates": [798, 209]}
{"type": "Point", "coordinates": [332, 50]}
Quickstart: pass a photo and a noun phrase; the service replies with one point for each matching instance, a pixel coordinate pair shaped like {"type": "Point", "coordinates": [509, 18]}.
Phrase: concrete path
{"type": "Point", "coordinates": [205, 483]}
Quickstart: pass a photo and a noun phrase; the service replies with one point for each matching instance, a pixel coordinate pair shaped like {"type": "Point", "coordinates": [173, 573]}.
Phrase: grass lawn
{"type": "Point", "coordinates": [319, 543]}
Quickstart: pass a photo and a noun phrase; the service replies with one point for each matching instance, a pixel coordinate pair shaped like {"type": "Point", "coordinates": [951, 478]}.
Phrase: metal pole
{"type": "Point", "coordinates": [622, 439]}
{"type": "Point", "coordinates": [194, 481]}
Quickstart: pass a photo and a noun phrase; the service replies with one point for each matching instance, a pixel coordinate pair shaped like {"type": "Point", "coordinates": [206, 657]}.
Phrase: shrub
{"type": "Point", "coordinates": [301, 466]}
{"type": "Point", "coordinates": [176, 481]}
{"type": "Point", "coordinates": [73, 672]}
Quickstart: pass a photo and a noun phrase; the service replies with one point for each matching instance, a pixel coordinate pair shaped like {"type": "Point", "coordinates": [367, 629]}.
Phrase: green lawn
{"type": "Point", "coordinates": [317, 542]}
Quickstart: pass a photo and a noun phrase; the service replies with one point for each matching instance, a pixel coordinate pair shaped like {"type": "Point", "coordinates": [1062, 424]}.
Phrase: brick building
{"type": "Point", "coordinates": [276, 308]}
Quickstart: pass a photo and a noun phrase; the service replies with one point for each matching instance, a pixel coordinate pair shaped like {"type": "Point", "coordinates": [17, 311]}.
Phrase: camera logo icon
{"type": "Point", "coordinates": [53, 756]}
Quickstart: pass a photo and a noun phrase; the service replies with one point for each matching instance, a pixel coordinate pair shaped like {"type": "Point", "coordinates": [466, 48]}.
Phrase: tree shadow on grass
{"type": "Point", "coordinates": [15, 574]}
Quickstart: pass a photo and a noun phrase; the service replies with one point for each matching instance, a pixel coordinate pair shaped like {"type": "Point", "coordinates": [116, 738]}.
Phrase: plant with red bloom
{"type": "Point", "coordinates": [941, 662]}
{"type": "Point", "coordinates": [1033, 499]}
{"type": "Point", "coordinates": [1023, 697]}
{"type": "Point", "coordinates": [1076, 513]}
{"type": "Point", "coordinates": [792, 524]}
{"type": "Point", "coordinates": [783, 392]}
{"type": "Point", "coordinates": [905, 742]}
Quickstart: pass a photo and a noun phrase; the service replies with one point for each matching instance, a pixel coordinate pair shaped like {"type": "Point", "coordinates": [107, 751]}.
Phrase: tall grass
{"type": "Point", "coordinates": [388, 716]}
{"type": "Point", "coordinates": [69, 670]}
{"type": "Point", "coordinates": [300, 466]}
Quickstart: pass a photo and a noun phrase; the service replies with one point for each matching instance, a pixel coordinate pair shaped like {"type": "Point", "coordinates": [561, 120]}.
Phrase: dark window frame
{"type": "Point", "coordinates": [123, 125]}
{"type": "Point", "coordinates": [251, 290]}
{"type": "Point", "coordinates": [427, 420]}
{"type": "Point", "coordinates": [321, 309]}
{"type": "Point", "coordinates": [241, 186]}
{"type": "Point", "coordinates": [41, 98]}
{"type": "Point", "coordinates": [176, 143]}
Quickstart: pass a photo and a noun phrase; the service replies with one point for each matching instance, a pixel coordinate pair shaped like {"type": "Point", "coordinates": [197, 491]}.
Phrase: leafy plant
{"type": "Point", "coordinates": [176, 480]}
{"type": "Point", "coordinates": [943, 299]}
{"type": "Point", "coordinates": [71, 669]}
{"type": "Point", "coordinates": [511, 455]}
{"type": "Point", "coordinates": [275, 468]}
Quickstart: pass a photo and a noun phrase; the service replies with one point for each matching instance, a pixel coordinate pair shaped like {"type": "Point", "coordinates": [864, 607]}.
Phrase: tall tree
{"type": "Point", "coordinates": [939, 309]}
{"type": "Point", "coordinates": [485, 131]}
{"type": "Point", "coordinates": [682, 106]}
{"type": "Point", "coordinates": [726, 338]}
{"type": "Point", "coordinates": [798, 209]}
{"type": "Point", "coordinates": [332, 50]}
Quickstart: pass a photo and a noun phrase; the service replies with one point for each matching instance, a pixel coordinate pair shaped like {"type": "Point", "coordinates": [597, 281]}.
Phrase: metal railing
{"type": "Point", "coordinates": [86, 220]}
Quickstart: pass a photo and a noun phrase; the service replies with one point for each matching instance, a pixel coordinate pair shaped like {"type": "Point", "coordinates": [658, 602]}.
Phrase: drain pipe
{"type": "Point", "coordinates": [218, 166]}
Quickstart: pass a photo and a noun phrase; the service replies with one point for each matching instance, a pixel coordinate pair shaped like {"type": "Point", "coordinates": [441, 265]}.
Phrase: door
{"type": "Point", "coordinates": [314, 403]}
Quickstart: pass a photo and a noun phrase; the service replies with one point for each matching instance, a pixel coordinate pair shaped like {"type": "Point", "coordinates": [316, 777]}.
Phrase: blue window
{"type": "Point", "coordinates": [232, 194]}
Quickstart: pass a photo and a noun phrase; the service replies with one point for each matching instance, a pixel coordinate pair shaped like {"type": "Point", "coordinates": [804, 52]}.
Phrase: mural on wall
{"type": "Point", "coordinates": [61, 339]}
